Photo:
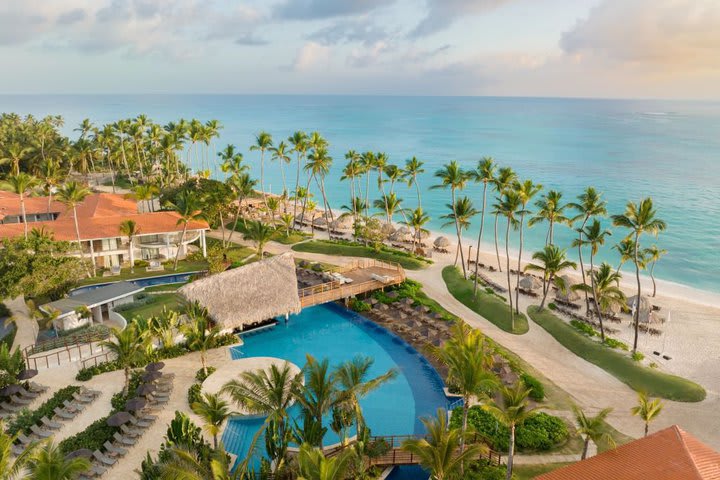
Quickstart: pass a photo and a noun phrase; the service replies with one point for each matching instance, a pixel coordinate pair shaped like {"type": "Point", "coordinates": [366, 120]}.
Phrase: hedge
{"type": "Point", "coordinates": [537, 391]}
{"type": "Point", "coordinates": [27, 418]}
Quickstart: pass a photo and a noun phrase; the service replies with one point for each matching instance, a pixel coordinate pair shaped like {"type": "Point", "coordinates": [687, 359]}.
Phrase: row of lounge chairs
{"type": "Point", "coordinates": [490, 283]}
{"type": "Point", "coordinates": [21, 399]}
{"type": "Point", "coordinates": [576, 316]}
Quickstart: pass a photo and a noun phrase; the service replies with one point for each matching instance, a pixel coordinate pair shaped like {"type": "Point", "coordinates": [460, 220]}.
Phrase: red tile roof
{"type": "Point", "coordinates": [670, 454]}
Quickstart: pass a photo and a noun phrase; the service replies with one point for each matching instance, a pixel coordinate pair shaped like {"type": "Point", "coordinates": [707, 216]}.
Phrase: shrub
{"type": "Point", "coordinates": [612, 343]}
{"type": "Point", "coordinates": [200, 375]}
{"type": "Point", "coordinates": [141, 263]}
{"type": "Point", "coordinates": [483, 470]}
{"type": "Point", "coordinates": [537, 391]}
{"type": "Point", "coordinates": [119, 400]}
{"type": "Point", "coordinates": [194, 393]}
{"type": "Point", "coordinates": [583, 327]}
{"type": "Point", "coordinates": [359, 306]}
{"type": "Point", "coordinates": [638, 356]}
{"type": "Point", "coordinates": [91, 438]}
{"type": "Point", "coordinates": [26, 418]}
{"type": "Point", "coordinates": [86, 374]}
{"type": "Point", "coordinates": [552, 306]}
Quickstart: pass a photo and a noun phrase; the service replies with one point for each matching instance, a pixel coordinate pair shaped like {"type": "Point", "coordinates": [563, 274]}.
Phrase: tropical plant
{"type": "Point", "coordinates": [502, 182]}
{"type": "Point", "coordinates": [594, 236]}
{"type": "Point", "coordinates": [551, 210]}
{"type": "Point", "coordinates": [639, 218]}
{"type": "Point", "coordinates": [647, 409]}
{"type": "Point", "coordinates": [460, 214]}
{"type": "Point", "coordinates": [606, 292]}
{"type": "Point", "coordinates": [314, 465]}
{"type": "Point", "coordinates": [200, 334]}
{"type": "Point", "coordinates": [128, 348]}
{"type": "Point", "coordinates": [526, 191]}
{"type": "Point", "coordinates": [280, 153]}
{"type": "Point", "coordinates": [21, 184]}
{"type": "Point", "coordinates": [484, 173]}
{"type": "Point", "coordinates": [416, 219]}
{"type": "Point", "coordinates": [214, 412]}
{"type": "Point", "coordinates": [507, 206]}
{"type": "Point", "coordinates": [259, 233]}
{"type": "Point", "coordinates": [189, 208]}
{"type": "Point", "coordinates": [413, 168]}
{"type": "Point", "coordinates": [318, 164]}
{"type": "Point", "coordinates": [592, 428]}
{"type": "Point", "coordinates": [263, 142]}
{"type": "Point", "coordinates": [72, 194]}
{"type": "Point", "coordinates": [299, 142]}
{"type": "Point", "coordinates": [14, 467]}
{"type": "Point", "coordinates": [242, 185]}
{"type": "Point", "coordinates": [552, 261]}
{"type": "Point", "coordinates": [48, 462]}
{"type": "Point", "coordinates": [652, 255]}
{"type": "Point", "coordinates": [453, 177]}
{"type": "Point", "coordinates": [129, 229]}
{"type": "Point", "coordinates": [317, 396]}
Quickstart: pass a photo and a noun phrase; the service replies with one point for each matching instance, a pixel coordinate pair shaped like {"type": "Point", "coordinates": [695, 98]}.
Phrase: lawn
{"type": "Point", "coordinates": [279, 236]}
{"type": "Point", "coordinates": [168, 300]}
{"type": "Point", "coordinates": [488, 305]}
{"type": "Point", "coordinates": [407, 260]}
{"type": "Point", "coordinates": [528, 472]}
{"type": "Point", "coordinates": [125, 274]}
{"type": "Point", "coordinates": [621, 366]}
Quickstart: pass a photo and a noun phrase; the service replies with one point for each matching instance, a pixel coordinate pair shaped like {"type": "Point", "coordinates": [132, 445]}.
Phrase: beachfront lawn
{"type": "Point", "coordinates": [485, 304]}
{"type": "Point", "coordinates": [405, 259]}
{"type": "Point", "coordinates": [620, 365]}
{"type": "Point", "coordinates": [171, 301]}
{"type": "Point", "coordinates": [184, 266]}
{"type": "Point", "coordinates": [279, 236]}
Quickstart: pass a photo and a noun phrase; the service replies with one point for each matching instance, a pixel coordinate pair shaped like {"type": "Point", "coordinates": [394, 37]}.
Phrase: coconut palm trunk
{"type": "Point", "coordinates": [595, 300]}
{"type": "Point", "coordinates": [82, 254]}
{"type": "Point", "coordinates": [507, 260]}
{"type": "Point", "coordinates": [459, 237]}
{"type": "Point", "coordinates": [636, 314]}
{"type": "Point", "coordinates": [519, 264]}
{"type": "Point", "coordinates": [582, 265]}
{"type": "Point", "coordinates": [24, 217]}
{"type": "Point", "coordinates": [297, 185]}
{"type": "Point", "coordinates": [482, 225]}
{"type": "Point", "coordinates": [182, 239]}
{"type": "Point", "coordinates": [511, 453]}
{"type": "Point", "coordinates": [417, 189]}
{"type": "Point", "coordinates": [497, 248]}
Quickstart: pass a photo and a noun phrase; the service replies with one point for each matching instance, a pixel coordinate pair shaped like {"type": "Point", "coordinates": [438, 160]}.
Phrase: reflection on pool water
{"type": "Point", "coordinates": [330, 331]}
{"type": "Point", "coordinates": [142, 282]}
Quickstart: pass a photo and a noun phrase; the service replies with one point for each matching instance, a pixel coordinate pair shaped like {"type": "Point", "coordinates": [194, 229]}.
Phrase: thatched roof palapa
{"type": "Point", "coordinates": [248, 294]}
{"type": "Point", "coordinates": [442, 242]}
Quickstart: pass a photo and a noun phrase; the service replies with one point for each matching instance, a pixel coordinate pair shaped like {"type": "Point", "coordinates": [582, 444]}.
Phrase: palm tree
{"type": "Point", "coordinates": [268, 392]}
{"type": "Point", "coordinates": [318, 394]}
{"type": "Point", "coordinates": [287, 221]}
{"type": "Point", "coordinates": [21, 184]}
{"type": "Point", "coordinates": [589, 204]}
{"type": "Point", "coordinates": [242, 185]}
{"type": "Point", "coordinates": [652, 255]}
{"type": "Point", "coordinates": [502, 182]}
{"type": "Point", "coordinates": [351, 171]}
{"type": "Point", "coordinates": [14, 153]}
{"type": "Point", "coordinates": [273, 204]}
{"type": "Point", "coordinates": [467, 358]}
{"type": "Point", "coordinates": [508, 206]}
{"type": "Point", "coordinates": [281, 154]}
{"type": "Point", "coordinates": [552, 261]}
{"type": "Point", "coordinates": [367, 163]}
{"type": "Point", "coordinates": [413, 168]}
{"type": "Point", "coordinates": [512, 411]}
{"type": "Point", "coordinates": [390, 203]}
{"type": "Point", "coordinates": [71, 195]}
{"type": "Point", "coordinates": [639, 218]}
{"type": "Point", "coordinates": [484, 173]}
{"type": "Point", "coordinates": [259, 233]}
{"type": "Point", "coordinates": [214, 411]}
{"type": "Point", "coordinates": [145, 193]}
{"type": "Point", "coordinates": [594, 236]}
{"type": "Point", "coordinates": [314, 465]}
{"type": "Point", "coordinates": [180, 462]}
{"type": "Point", "coordinates": [352, 378]}
{"type": "Point", "coordinates": [49, 178]}
{"type": "Point", "coordinates": [551, 210]}
{"type": "Point", "coordinates": [263, 142]}
{"type": "Point", "coordinates": [647, 409]}
{"type": "Point", "coordinates": [128, 348]}
{"type": "Point", "coordinates": [526, 191]}
{"type": "Point", "coordinates": [460, 214]}
{"type": "Point", "coordinates": [14, 467]}
{"type": "Point", "coordinates": [451, 175]}
{"type": "Point", "coordinates": [130, 229]}
{"type": "Point", "coordinates": [319, 162]}
{"type": "Point", "coordinates": [380, 162]}
{"type": "Point", "coordinates": [416, 219]}
{"type": "Point", "coordinates": [626, 250]}
{"type": "Point", "coordinates": [592, 428]}
{"type": "Point", "coordinates": [439, 451]}
{"type": "Point", "coordinates": [605, 291]}
{"type": "Point", "coordinates": [232, 161]}
{"type": "Point", "coordinates": [188, 206]}
{"type": "Point", "coordinates": [200, 334]}
{"type": "Point", "coordinates": [49, 463]}
{"type": "Point", "coordinates": [299, 142]}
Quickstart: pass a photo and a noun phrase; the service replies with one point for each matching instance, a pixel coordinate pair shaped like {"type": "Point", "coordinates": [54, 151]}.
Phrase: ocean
{"type": "Point", "coordinates": [627, 149]}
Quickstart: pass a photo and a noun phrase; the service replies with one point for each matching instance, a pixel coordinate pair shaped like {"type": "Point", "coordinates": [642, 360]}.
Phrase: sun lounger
{"type": "Point", "coordinates": [103, 459]}
{"type": "Point", "coordinates": [31, 395]}
{"type": "Point", "coordinates": [146, 417]}
{"type": "Point", "coordinates": [114, 451]}
{"type": "Point", "coordinates": [86, 392]}
{"type": "Point", "coordinates": [23, 439]}
{"type": "Point", "coordinates": [9, 407]}
{"type": "Point", "coordinates": [140, 423]}
{"type": "Point", "coordinates": [97, 470]}
{"type": "Point", "coordinates": [72, 407]}
{"type": "Point", "coordinates": [50, 424]}
{"type": "Point", "coordinates": [123, 440]}
{"type": "Point", "coordinates": [40, 432]}
{"type": "Point", "coordinates": [64, 414]}
{"type": "Point", "coordinates": [130, 432]}
{"type": "Point", "coordinates": [82, 399]}
{"type": "Point", "coordinates": [20, 401]}
{"type": "Point", "coordinates": [17, 450]}
{"type": "Point", "coordinates": [37, 388]}
{"type": "Point", "coordinates": [157, 400]}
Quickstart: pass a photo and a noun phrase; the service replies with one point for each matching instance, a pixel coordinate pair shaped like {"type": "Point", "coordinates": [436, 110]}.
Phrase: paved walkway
{"type": "Point", "coordinates": [27, 327]}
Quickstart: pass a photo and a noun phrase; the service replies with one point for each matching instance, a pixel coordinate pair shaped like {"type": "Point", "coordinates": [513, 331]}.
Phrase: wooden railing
{"type": "Point", "coordinates": [397, 456]}
{"type": "Point", "coordinates": [69, 354]}
{"type": "Point", "coordinates": [94, 361]}
{"type": "Point", "coordinates": [65, 342]}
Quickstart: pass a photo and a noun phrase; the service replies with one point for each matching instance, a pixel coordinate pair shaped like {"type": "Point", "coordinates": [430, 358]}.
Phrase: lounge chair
{"type": "Point", "coordinates": [72, 407]}
{"type": "Point", "coordinates": [114, 451]}
{"type": "Point", "coordinates": [122, 440]}
{"type": "Point", "coordinates": [40, 432]}
{"type": "Point", "coordinates": [23, 439]}
{"type": "Point", "coordinates": [26, 394]}
{"type": "Point", "coordinates": [97, 470]}
{"type": "Point", "coordinates": [145, 417]}
{"type": "Point", "coordinates": [20, 401]}
{"type": "Point", "coordinates": [17, 450]}
{"type": "Point", "coordinates": [50, 424]}
{"type": "Point", "coordinates": [37, 388]}
{"type": "Point", "coordinates": [140, 423]}
{"type": "Point", "coordinates": [82, 399]}
{"type": "Point", "coordinates": [10, 407]}
{"type": "Point", "coordinates": [64, 414]}
{"type": "Point", "coordinates": [104, 459]}
{"type": "Point", "coordinates": [87, 392]}
{"type": "Point", "coordinates": [130, 432]}
{"type": "Point", "coordinates": [157, 400]}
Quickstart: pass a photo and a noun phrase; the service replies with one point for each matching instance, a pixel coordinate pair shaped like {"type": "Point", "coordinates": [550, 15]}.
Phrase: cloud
{"type": "Point", "coordinates": [350, 31]}
{"type": "Point", "coordinates": [443, 13]}
{"type": "Point", "coordinates": [310, 56]}
{"type": "Point", "coordinates": [321, 9]}
{"type": "Point", "coordinates": [71, 16]}
{"type": "Point", "coordinates": [249, 39]}
{"type": "Point", "coordinates": [658, 34]}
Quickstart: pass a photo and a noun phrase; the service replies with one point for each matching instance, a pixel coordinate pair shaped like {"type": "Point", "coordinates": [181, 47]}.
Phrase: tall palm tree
{"type": "Point", "coordinates": [390, 203]}
{"type": "Point", "coordinates": [21, 184]}
{"type": "Point", "coordinates": [14, 467]}
{"type": "Point", "coordinates": [314, 465]}
{"type": "Point", "coordinates": [606, 292]}
{"type": "Point", "coordinates": [50, 177]}
{"type": "Point", "coordinates": [269, 392]}
{"type": "Point", "coordinates": [439, 451]}
{"type": "Point", "coordinates": [263, 142]}
{"type": "Point", "coordinates": [299, 141]}
{"type": "Point", "coordinates": [639, 218]}
{"type": "Point", "coordinates": [130, 229]}
{"type": "Point", "coordinates": [626, 250]}
{"type": "Point", "coordinates": [318, 394]}
{"type": "Point", "coordinates": [413, 168]}
{"type": "Point", "coordinates": [214, 411]}
{"type": "Point", "coordinates": [502, 182]}
{"type": "Point", "coordinates": [128, 348]}
{"type": "Point", "coordinates": [484, 173]}
{"type": "Point", "coordinates": [188, 206]}
{"type": "Point", "coordinates": [259, 233]}
{"type": "Point", "coordinates": [594, 236]}
{"type": "Point", "coordinates": [460, 214]}
{"type": "Point", "coordinates": [589, 204]}
{"type": "Point", "coordinates": [552, 261]}
{"type": "Point", "coordinates": [232, 161]}
{"type": "Point", "coordinates": [352, 171]}
{"type": "Point", "coordinates": [71, 195]}
{"type": "Point", "coordinates": [14, 154]}
{"type": "Point", "coordinates": [508, 206]}
{"type": "Point", "coordinates": [647, 409]}
{"type": "Point", "coordinates": [526, 191]}
{"type": "Point", "coordinates": [512, 411]}
{"type": "Point", "coordinates": [393, 174]}
{"type": "Point", "coordinates": [416, 219]}
{"type": "Point", "coordinates": [592, 428]}
{"type": "Point", "coordinates": [381, 161]}
{"type": "Point", "coordinates": [653, 254]}
{"type": "Point", "coordinates": [367, 163]}
{"type": "Point", "coordinates": [319, 163]}
{"type": "Point", "coordinates": [551, 210]}
{"type": "Point", "coordinates": [48, 462]}
{"type": "Point", "coordinates": [242, 186]}
{"type": "Point", "coordinates": [281, 154]}
{"type": "Point", "coordinates": [200, 334]}
{"type": "Point", "coordinates": [453, 177]}
{"type": "Point", "coordinates": [180, 462]}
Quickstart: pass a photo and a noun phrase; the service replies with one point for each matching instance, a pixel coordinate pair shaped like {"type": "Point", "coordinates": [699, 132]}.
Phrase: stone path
{"type": "Point", "coordinates": [27, 327]}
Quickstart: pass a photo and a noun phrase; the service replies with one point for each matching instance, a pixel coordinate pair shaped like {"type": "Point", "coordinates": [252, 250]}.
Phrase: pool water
{"type": "Point", "coordinates": [142, 282]}
{"type": "Point", "coordinates": [330, 331]}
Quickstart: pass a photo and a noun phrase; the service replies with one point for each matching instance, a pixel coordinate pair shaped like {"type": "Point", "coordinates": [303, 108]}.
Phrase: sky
{"type": "Point", "coordinates": [576, 48]}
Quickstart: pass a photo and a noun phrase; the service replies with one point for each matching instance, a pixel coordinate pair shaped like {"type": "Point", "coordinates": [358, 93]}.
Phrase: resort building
{"type": "Point", "coordinates": [670, 454]}
{"type": "Point", "coordinates": [98, 219]}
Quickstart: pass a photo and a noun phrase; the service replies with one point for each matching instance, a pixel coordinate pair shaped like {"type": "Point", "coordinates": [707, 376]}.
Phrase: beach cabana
{"type": "Point", "coordinates": [249, 294]}
{"type": "Point", "coordinates": [569, 295]}
{"type": "Point", "coordinates": [344, 222]}
{"type": "Point", "coordinates": [441, 242]}
{"type": "Point", "coordinates": [529, 282]}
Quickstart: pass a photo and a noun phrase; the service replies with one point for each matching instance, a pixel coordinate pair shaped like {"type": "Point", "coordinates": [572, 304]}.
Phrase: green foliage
{"type": "Point", "coordinates": [9, 337]}
{"type": "Point", "coordinates": [622, 367]}
{"type": "Point", "coordinates": [637, 356]}
{"type": "Point", "coordinates": [613, 343]}
{"type": "Point", "coordinates": [86, 374]}
{"type": "Point", "coordinates": [91, 438]}
{"type": "Point", "coordinates": [203, 188]}
{"type": "Point", "coordinates": [584, 328]}
{"type": "Point", "coordinates": [27, 418]}
{"type": "Point", "coordinates": [11, 364]}
{"type": "Point", "coordinates": [552, 306]}
{"type": "Point", "coordinates": [483, 470]}
{"type": "Point", "coordinates": [359, 306]}
{"type": "Point", "coordinates": [348, 249]}
{"type": "Point", "coordinates": [194, 393]}
{"type": "Point", "coordinates": [201, 375]}
{"type": "Point", "coordinates": [119, 400]}
{"type": "Point", "coordinates": [537, 391]}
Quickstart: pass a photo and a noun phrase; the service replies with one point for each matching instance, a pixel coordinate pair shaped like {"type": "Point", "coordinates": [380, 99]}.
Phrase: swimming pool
{"type": "Point", "coordinates": [142, 282]}
{"type": "Point", "coordinates": [330, 331]}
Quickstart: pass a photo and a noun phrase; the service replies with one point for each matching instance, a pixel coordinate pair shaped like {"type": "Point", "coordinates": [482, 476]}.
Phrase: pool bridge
{"type": "Point", "coordinates": [361, 276]}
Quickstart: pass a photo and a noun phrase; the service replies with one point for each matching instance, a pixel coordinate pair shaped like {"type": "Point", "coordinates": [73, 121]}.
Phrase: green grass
{"type": "Point", "coordinates": [620, 365]}
{"type": "Point", "coordinates": [489, 306]}
{"type": "Point", "coordinates": [407, 260]}
{"type": "Point", "coordinates": [169, 300]}
{"type": "Point", "coordinates": [125, 274]}
{"type": "Point", "coordinates": [279, 236]}
{"type": "Point", "coordinates": [528, 472]}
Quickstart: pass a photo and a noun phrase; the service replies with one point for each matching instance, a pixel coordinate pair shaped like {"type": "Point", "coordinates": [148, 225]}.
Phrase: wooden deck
{"type": "Point", "coordinates": [364, 274]}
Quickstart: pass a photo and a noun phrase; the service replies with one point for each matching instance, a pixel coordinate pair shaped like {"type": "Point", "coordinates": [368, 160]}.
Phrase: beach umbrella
{"type": "Point", "coordinates": [154, 367]}
{"type": "Point", "coordinates": [151, 376]}
{"type": "Point", "coordinates": [529, 282]}
{"type": "Point", "coordinates": [145, 388]}
{"type": "Point", "coordinates": [344, 222]}
{"type": "Point", "coordinates": [320, 221]}
{"type": "Point", "coordinates": [27, 374]}
{"type": "Point", "coordinates": [117, 419]}
{"type": "Point", "coordinates": [569, 295]}
{"type": "Point", "coordinates": [412, 323]}
{"type": "Point", "coordinates": [644, 303]}
{"type": "Point", "coordinates": [10, 390]}
{"type": "Point", "coordinates": [441, 242]}
{"type": "Point", "coordinates": [82, 453]}
{"type": "Point", "coordinates": [135, 404]}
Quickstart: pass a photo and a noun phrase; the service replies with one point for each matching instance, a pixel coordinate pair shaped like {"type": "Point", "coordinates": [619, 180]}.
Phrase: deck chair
{"type": "Point", "coordinates": [104, 459]}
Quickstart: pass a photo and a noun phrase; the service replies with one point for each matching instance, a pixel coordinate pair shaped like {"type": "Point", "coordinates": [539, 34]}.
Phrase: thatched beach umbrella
{"type": "Point", "coordinates": [118, 419]}
{"type": "Point", "coordinates": [529, 282]}
{"type": "Point", "coordinates": [344, 222]}
{"type": "Point", "coordinates": [135, 404]}
{"type": "Point", "coordinates": [27, 374]}
{"type": "Point", "coordinates": [441, 242]}
{"type": "Point", "coordinates": [154, 366]}
{"type": "Point", "coordinates": [82, 453]}
{"type": "Point", "coordinates": [644, 303]}
{"type": "Point", "coordinates": [569, 295]}
{"type": "Point", "coordinates": [145, 389]}
{"type": "Point", "coordinates": [387, 229]}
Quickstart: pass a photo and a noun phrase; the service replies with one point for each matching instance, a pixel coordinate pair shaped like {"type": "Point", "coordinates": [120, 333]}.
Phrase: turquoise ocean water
{"type": "Point", "coordinates": [627, 149]}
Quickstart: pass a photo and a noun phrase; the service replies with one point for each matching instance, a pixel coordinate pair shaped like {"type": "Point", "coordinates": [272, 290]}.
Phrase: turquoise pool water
{"type": "Point", "coordinates": [142, 282]}
{"type": "Point", "coordinates": [339, 334]}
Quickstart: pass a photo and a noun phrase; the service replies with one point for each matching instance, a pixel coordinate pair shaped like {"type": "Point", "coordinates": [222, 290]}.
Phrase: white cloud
{"type": "Point", "coordinates": [443, 13]}
{"type": "Point", "coordinates": [310, 56]}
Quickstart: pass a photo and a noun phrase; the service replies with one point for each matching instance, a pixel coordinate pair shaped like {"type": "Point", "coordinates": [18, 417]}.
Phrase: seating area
{"type": "Point", "coordinates": [18, 397]}
{"type": "Point", "coordinates": [490, 283]}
